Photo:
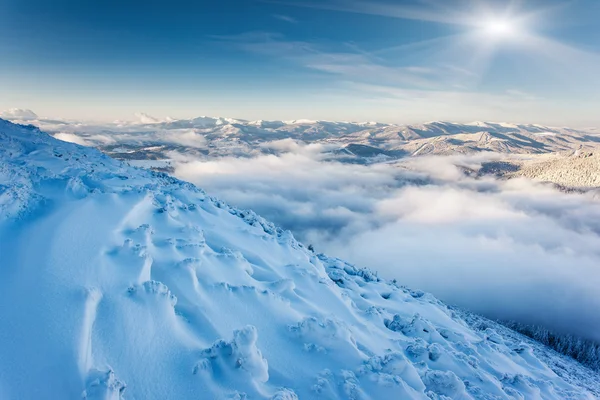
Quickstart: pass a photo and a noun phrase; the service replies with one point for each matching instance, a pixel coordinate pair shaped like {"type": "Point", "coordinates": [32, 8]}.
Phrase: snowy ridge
{"type": "Point", "coordinates": [126, 283]}
{"type": "Point", "coordinates": [151, 138]}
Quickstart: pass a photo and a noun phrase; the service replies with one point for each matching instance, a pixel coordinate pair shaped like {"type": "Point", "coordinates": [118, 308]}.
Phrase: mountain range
{"type": "Point", "coordinates": [354, 142]}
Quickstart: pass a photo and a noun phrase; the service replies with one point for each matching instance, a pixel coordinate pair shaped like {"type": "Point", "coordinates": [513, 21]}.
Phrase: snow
{"type": "Point", "coordinates": [117, 282]}
{"type": "Point", "coordinates": [479, 124]}
{"type": "Point", "coordinates": [578, 170]}
{"type": "Point", "coordinates": [301, 122]}
{"type": "Point", "coordinates": [19, 114]}
{"type": "Point", "coordinates": [149, 164]}
{"type": "Point", "coordinates": [208, 137]}
{"type": "Point", "coordinates": [144, 118]}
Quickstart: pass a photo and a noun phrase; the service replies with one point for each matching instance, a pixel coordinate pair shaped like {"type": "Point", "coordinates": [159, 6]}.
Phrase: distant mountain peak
{"type": "Point", "coordinates": [19, 114]}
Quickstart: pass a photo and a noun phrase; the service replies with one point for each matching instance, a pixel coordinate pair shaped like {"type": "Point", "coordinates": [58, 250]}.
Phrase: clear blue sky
{"type": "Point", "coordinates": [391, 61]}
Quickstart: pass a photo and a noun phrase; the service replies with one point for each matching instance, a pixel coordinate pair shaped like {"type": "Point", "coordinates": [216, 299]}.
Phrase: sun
{"type": "Point", "coordinates": [499, 28]}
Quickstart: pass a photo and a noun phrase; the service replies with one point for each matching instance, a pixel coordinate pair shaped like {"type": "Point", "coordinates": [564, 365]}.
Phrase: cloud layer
{"type": "Point", "coordinates": [508, 249]}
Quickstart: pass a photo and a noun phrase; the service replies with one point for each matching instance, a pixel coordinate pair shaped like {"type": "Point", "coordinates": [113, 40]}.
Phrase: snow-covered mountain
{"type": "Point", "coordinates": [578, 170]}
{"type": "Point", "coordinates": [119, 282]}
{"type": "Point", "coordinates": [163, 144]}
{"type": "Point", "coordinates": [202, 137]}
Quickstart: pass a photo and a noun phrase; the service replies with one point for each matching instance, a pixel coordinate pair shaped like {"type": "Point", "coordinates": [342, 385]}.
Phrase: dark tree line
{"type": "Point", "coordinates": [586, 351]}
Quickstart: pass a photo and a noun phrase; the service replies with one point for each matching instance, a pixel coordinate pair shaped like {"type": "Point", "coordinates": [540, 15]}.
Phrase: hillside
{"type": "Point", "coordinates": [578, 170]}
{"type": "Point", "coordinates": [119, 282]}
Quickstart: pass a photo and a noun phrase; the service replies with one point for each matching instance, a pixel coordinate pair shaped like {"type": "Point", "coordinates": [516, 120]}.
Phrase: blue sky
{"type": "Point", "coordinates": [391, 61]}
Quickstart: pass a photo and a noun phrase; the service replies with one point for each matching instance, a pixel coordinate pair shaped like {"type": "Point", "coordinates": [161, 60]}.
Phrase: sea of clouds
{"type": "Point", "coordinates": [508, 249]}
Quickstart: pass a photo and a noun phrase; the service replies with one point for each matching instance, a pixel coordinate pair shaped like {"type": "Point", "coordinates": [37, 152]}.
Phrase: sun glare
{"type": "Point", "coordinates": [499, 28]}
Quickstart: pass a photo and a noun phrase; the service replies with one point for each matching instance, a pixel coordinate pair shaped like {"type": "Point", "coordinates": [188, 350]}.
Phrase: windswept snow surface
{"type": "Point", "coordinates": [118, 282]}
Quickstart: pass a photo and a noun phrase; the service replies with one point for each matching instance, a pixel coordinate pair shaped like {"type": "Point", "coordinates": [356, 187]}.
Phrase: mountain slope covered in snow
{"type": "Point", "coordinates": [578, 170]}
{"type": "Point", "coordinates": [118, 282]}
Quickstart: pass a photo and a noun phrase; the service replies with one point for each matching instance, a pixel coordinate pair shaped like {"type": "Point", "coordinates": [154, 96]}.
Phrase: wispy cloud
{"type": "Point", "coordinates": [456, 12]}
{"type": "Point", "coordinates": [457, 104]}
{"type": "Point", "coordinates": [285, 18]}
{"type": "Point", "coordinates": [267, 43]}
{"type": "Point", "coordinates": [469, 50]}
{"type": "Point", "coordinates": [424, 10]}
{"type": "Point", "coordinates": [349, 63]}
{"type": "Point", "coordinates": [448, 76]}
{"type": "Point", "coordinates": [522, 95]}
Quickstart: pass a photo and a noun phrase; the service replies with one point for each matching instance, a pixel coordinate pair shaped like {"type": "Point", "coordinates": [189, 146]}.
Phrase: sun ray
{"type": "Point", "coordinates": [484, 31]}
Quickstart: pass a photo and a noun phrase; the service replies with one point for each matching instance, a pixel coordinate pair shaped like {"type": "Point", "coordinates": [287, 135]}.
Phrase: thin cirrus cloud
{"type": "Point", "coordinates": [454, 12]}
{"type": "Point", "coordinates": [420, 11]}
{"type": "Point", "coordinates": [456, 69]}
{"type": "Point", "coordinates": [467, 58]}
{"type": "Point", "coordinates": [348, 63]}
{"type": "Point", "coordinates": [285, 18]}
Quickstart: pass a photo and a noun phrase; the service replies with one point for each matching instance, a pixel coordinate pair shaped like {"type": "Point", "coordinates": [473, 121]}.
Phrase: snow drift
{"type": "Point", "coordinates": [119, 282]}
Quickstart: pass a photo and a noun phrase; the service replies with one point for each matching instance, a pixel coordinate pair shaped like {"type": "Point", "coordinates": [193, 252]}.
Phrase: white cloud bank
{"type": "Point", "coordinates": [507, 249]}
